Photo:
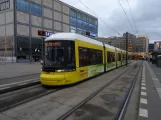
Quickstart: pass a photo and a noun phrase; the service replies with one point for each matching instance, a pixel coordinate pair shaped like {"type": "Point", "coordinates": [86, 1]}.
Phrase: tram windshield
{"type": "Point", "coordinates": [59, 54]}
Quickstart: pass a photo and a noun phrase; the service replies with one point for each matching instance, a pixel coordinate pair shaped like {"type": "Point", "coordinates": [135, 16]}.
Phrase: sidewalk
{"type": "Point", "coordinates": [150, 96]}
{"type": "Point", "coordinates": [19, 69]}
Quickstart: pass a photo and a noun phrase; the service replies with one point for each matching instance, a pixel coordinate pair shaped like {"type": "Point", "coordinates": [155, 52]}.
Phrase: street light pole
{"type": "Point", "coordinates": [126, 48]}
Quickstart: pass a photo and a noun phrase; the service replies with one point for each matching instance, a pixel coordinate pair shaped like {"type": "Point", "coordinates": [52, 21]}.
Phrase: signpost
{"type": "Point", "coordinates": [4, 5]}
{"type": "Point", "coordinates": [44, 33]}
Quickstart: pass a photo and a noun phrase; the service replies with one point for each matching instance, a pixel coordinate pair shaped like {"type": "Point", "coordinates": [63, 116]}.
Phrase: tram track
{"type": "Point", "coordinates": [18, 97]}
{"type": "Point", "coordinates": [12, 96]}
{"type": "Point", "coordinates": [121, 111]}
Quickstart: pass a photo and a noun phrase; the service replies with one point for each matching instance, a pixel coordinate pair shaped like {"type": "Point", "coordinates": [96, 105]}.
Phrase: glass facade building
{"type": "Point", "coordinates": [21, 20]}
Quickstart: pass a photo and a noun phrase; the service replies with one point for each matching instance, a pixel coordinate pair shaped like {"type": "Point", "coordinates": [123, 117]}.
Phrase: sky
{"type": "Point", "coordinates": [146, 13]}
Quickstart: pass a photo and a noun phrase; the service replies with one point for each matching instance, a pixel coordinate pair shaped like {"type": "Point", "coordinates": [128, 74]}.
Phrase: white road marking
{"type": "Point", "coordinates": [143, 84]}
{"type": "Point", "coordinates": [14, 83]}
{"type": "Point", "coordinates": [143, 88]}
{"type": "Point", "coordinates": [143, 112]}
{"type": "Point", "coordinates": [143, 101]}
{"type": "Point", "coordinates": [143, 93]}
{"type": "Point", "coordinates": [143, 81]}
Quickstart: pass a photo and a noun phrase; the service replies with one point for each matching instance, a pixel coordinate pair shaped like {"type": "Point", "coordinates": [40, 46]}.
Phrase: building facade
{"type": "Point", "coordinates": [151, 47]}
{"type": "Point", "coordinates": [135, 44]}
{"type": "Point", "coordinates": [20, 21]}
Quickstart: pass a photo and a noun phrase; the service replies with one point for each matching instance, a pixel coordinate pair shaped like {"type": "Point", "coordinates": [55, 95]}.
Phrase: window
{"type": "Point", "coordinates": [84, 25]}
{"type": "Point", "coordinates": [71, 55]}
{"type": "Point", "coordinates": [78, 30]}
{"type": "Point", "coordinates": [94, 28]}
{"type": "Point", "coordinates": [73, 21]}
{"type": "Point", "coordinates": [110, 57]}
{"type": "Point", "coordinates": [95, 22]}
{"type": "Point", "coordinates": [88, 56]}
{"type": "Point", "coordinates": [119, 56]}
{"type": "Point", "coordinates": [54, 54]}
{"type": "Point", "coordinates": [89, 19]}
{"type": "Point", "coordinates": [78, 15]}
{"type": "Point", "coordinates": [79, 23]}
{"type": "Point", "coordinates": [36, 46]}
{"type": "Point", "coordinates": [36, 9]}
{"type": "Point", "coordinates": [22, 5]}
{"type": "Point", "coordinates": [73, 13]}
{"type": "Point", "coordinates": [59, 55]}
{"type": "Point", "coordinates": [23, 46]}
{"type": "Point", "coordinates": [84, 17]}
{"type": "Point", "coordinates": [93, 34]}
{"type": "Point", "coordinates": [72, 29]}
{"type": "Point", "coordinates": [123, 56]}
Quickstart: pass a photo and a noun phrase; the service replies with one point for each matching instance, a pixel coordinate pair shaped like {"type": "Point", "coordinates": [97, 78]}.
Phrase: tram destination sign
{"type": "Point", "coordinates": [4, 5]}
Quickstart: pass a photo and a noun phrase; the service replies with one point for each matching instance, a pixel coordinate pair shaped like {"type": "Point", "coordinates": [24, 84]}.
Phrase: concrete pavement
{"type": "Point", "coordinates": [150, 93]}
{"type": "Point", "coordinates": [10, 70]}
{"type": "Point", "coordinates": [54, 105]}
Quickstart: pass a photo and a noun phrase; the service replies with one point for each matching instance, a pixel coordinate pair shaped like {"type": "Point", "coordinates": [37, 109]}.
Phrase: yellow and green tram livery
{"type": "Point", "coordinates": [70, 58]}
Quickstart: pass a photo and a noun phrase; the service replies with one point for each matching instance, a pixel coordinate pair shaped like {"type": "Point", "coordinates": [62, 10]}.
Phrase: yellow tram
{"type": "Point", "coordinates": [70, 58]}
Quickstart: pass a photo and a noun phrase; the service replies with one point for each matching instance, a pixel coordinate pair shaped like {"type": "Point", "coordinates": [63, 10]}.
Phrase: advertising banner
{"type": "Point", "coordinates": [4, 5]}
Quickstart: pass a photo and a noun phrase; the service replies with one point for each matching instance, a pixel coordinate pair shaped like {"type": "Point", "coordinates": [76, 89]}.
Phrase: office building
{"type": "Point", "coordinates": [20, 21]}
{"type": "Point", "coordinates": [135, 44]}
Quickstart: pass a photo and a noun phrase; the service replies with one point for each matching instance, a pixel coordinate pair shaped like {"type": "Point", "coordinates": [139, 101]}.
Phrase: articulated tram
{"type": "Point", "coordinates": [70, 58]}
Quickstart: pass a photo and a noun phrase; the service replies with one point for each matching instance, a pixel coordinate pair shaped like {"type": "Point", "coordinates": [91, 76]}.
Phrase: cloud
{"type": "Point", "coordinates": [147, 15]}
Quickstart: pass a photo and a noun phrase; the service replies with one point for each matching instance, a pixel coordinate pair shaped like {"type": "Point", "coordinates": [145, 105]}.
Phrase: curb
{"type": "Point", "coordinates": [17, 87]}
{"type": "Point", "coordinates": [19, 76]}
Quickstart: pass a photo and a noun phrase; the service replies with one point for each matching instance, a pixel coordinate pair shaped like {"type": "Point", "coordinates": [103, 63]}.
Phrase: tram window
{"type": "Point", "coordinates": [54, 55]}
{"type": "Point", "coordinates": [89, 56]}
{"type": "Point", "coordinates": [83, 57]}
{"type": "Point", "coordinates": [123, 56]}
{"type": "Point", "coordinates": [71, 55]}
{"type": "Point", "coordinates": [119, 57]}
{"type": "Point", "coordinates": [110, 57]}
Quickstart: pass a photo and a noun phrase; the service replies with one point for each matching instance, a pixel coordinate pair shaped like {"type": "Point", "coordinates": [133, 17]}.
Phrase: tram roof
{"type": "Point", "coordinates": [73, 37]}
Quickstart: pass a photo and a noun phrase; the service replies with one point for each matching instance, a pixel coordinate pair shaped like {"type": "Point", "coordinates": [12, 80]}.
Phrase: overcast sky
{"type": "Point", "coordinates": [147, 15]}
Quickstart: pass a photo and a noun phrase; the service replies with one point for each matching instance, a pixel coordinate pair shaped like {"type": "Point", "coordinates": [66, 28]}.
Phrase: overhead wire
{"type": "Point", "coordinates": [126, 15]}
{"type": "Point", "coordinates": [132, 16]}
{"type": "Point", "coordinates": [99, 17]}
